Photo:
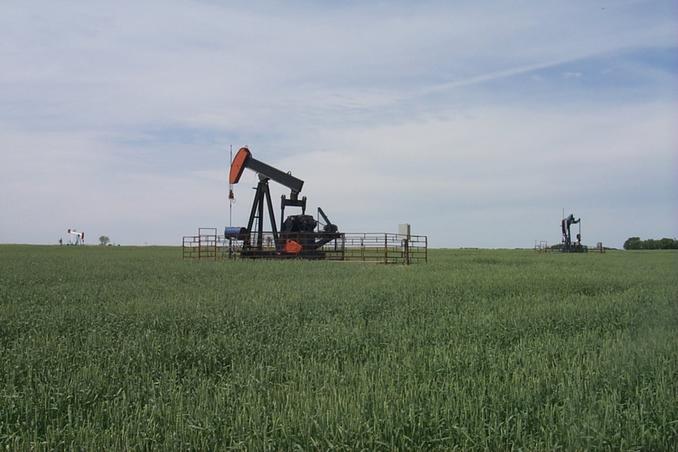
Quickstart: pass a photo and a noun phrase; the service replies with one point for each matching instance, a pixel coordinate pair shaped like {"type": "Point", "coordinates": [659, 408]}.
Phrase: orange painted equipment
{"type": "Point", "coordinates": [292, 247]}
{"type": "Point", "coordinates": [238, 165]}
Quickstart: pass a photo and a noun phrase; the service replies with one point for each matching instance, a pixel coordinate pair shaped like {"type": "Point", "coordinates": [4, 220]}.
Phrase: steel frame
{"type": "Point", "coordinates": [386, 248]}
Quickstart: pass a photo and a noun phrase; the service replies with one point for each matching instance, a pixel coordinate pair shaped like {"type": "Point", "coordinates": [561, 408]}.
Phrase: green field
{"type": "Point", "coordinates": [116, 348]}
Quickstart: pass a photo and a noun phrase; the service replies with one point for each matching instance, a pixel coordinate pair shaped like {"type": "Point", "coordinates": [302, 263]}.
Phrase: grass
{"type": "Point", "coordinates": [121, 348]}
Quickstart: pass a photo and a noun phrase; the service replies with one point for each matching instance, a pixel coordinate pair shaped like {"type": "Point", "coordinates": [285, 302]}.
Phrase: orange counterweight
{"type": "Point", "coordinates": [238, 165]}
{"type": "Point", "coordinates": [292, 247]}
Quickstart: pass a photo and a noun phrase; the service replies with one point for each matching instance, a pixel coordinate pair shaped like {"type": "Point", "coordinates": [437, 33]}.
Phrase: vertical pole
{"type": "Point", "coordinates": [385, 248]}
{"type": "Point", "coordinates": [230, 190]}
{"type": "Point", "coordinates": [282, 211]}
{"type": "Point", "coordinates": [407, 249]}
{"type": "Point", "coordinates": [260, 232]}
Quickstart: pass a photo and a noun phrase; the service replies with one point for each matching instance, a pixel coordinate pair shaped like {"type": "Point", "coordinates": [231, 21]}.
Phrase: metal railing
{"type": "Point", "coordinates": [387, 248]}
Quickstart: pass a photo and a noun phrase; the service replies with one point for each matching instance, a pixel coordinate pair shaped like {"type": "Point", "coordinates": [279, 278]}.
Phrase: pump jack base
{"type": "Point", "coordinates": [574, 249]}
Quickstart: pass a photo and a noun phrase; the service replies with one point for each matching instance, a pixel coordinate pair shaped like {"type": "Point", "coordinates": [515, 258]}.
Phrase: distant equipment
{"type": "Point", "coordinates": [75, 237]}
{"type": "Point", "coordinates": [568, 246]}
{"type": "Point", "coordinates": [541, 246]}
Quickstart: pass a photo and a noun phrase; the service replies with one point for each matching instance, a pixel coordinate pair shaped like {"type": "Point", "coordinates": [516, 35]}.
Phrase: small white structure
{"type": "Point", "coordinates": [76, 238]}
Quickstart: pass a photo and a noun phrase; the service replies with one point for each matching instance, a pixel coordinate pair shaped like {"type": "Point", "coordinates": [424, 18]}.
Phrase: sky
{"type": "Point", "coordinates": [475, 122]}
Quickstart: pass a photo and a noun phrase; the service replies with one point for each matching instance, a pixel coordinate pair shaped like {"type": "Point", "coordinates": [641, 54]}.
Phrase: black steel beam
{"type": "Point", "coordinates": [271, 216]}
{"type": "Point", "coordinates": [253, 212]}
{"type": "Point", "coordinates": [322, 214]}
{"type": "Point", "coordinates": [275, 174]}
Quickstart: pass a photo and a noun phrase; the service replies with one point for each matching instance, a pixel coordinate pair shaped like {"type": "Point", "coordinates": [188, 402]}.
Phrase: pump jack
{"type": "Point", "coordinates": [297, 236]}
{"type": "Point", "coordinates": [567, 245]}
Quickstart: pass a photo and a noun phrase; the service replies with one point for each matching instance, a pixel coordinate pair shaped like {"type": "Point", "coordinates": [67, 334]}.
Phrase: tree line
{"type": "Point", "coordinates": [634, 243]}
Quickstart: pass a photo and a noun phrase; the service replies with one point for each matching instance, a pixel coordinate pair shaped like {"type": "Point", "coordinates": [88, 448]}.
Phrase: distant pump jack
{"type": "Point", "coordinates": [76, 238]}
{"type": "Point", "coordinates": [567, 245]}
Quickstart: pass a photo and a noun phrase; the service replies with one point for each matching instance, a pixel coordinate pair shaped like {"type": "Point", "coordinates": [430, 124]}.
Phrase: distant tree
{"type": "Point", "coordinates": [632, 243]}
{"type": "Point", "coordinates": [668, 244]}
{"type": "Point", "coordinates": [103, 240]}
